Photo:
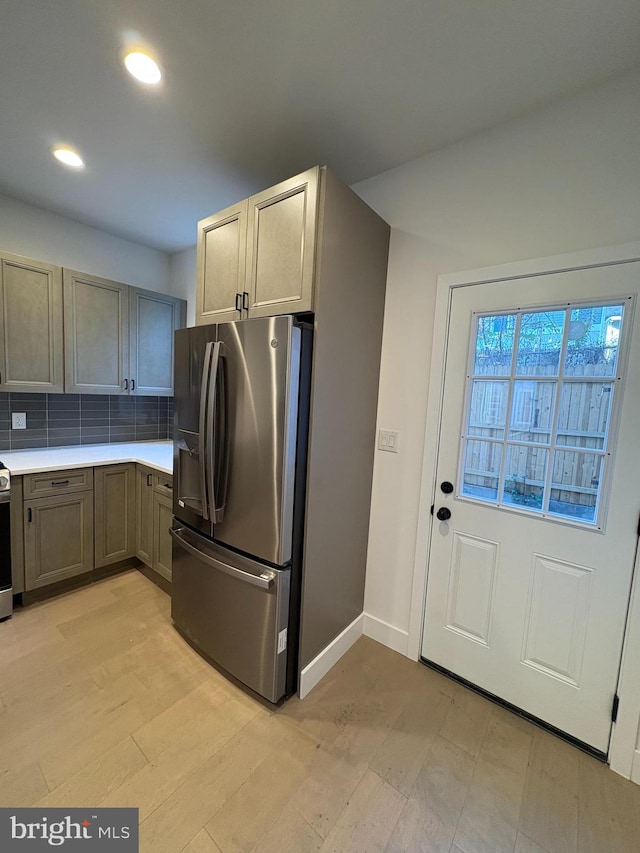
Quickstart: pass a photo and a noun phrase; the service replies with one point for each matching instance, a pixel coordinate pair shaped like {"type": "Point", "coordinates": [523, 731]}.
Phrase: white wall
{"type": "Point", "coordinates": [562, 179]}
{"type": "Point", "coordinates": [44, 236]}
{"type": "Point", "coordinates": [182, 280]}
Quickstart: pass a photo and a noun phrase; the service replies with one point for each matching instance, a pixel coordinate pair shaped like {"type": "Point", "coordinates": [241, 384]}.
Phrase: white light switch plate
{"type": "Point", "coordinates": [388, 440]}
{"type": "Point", "coordinates": [18, 420]}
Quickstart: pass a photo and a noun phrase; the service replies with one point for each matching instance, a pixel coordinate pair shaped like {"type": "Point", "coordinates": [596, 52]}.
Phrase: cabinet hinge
{"type": "Point", "coordinates": [614, 708]}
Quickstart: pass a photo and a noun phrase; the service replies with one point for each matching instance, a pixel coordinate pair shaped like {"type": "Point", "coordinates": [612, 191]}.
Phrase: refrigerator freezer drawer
{"type": "Point", "coordinates": [232, 609]}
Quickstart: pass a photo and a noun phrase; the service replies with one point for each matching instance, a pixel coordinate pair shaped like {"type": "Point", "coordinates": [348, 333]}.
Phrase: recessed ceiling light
{"type": "Point", "coordinates": [142, 67]}
{"type": "Point", "coordinates": [69, 157]}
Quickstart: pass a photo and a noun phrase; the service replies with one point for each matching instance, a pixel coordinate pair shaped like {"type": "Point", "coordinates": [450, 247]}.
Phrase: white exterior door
{"type": "Point", "coordinates": [529, 578]}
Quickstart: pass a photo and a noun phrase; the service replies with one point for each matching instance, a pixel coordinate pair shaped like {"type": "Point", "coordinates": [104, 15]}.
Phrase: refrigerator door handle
{"type": "Point", "coordinates": [223, 479]}
{"type": "Point", "coordinates": [217, 511]}
{"type": "Point", "coordinates": [202, 430]}
{"type": "Point", "coordinates": [265, 580]}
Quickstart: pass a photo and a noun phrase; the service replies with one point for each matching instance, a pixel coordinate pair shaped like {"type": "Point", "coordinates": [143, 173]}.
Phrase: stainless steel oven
{"type": "Point", "coordinates": [6, 587]}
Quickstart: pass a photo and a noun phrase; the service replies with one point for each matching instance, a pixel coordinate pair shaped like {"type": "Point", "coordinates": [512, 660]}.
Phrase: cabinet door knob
{"type": "Point", "coordinates": [238, 302]}
{"type": "Point", "coordinates": [125, 384]}
{"type": "Point", "coordinates": [29, 515]}
{"type": "Point", "coordinates": [245, 300]}
{"type": "Point", "coordinates": [133, 384]}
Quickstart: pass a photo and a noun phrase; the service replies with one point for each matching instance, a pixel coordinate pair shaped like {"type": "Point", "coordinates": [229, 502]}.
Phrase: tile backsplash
{"type": "Point", "coordinates": [56, 420]}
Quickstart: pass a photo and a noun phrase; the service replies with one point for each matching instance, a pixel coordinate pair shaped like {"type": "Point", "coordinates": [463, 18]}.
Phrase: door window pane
{"type": "Point", "coordinates": [494, 345]}
{"type": "Point", "coordinates": [540, 343]}
{"type": "Point", "coordinates": [593, 341]}
{"type": "Point", "coordinates": [540, 399]}
{"type": "Point", "coordinates": [482, 469]}
{"type": "Point", "coordinates": [532, 411]}
{"type": "Point", "coordinates": [584, 414]}
{"type": "Point", "coordinates": [488, 409]}
{"type": "Point", "coordinates": [574, 484]}
{"type": "Point", "coordinates": [524, 476]}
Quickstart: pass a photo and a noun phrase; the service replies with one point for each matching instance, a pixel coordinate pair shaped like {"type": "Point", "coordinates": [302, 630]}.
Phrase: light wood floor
{"type": "Point", "coordinates": [102, 703]}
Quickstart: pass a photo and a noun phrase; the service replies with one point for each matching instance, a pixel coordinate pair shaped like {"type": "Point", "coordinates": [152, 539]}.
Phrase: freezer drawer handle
{"type": "Point", "coordinates": [264, 581]}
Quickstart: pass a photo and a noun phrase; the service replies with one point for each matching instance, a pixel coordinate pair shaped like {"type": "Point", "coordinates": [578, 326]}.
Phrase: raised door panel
{"type": "Point", "coordinates": [144, 514]}
{"type": "Point", "coordinates": [162, 518]}
{"type": "Point", "coordinates": [115, 513]}
{"type": "Point", "coordinates": [30, 326]}
{"type": "Point", "coordinates": [281, 245]}
{"type": "Point", "coordinates": [471, 587]}
{"type": "Point", "coordinates": [96, 319]}
{"type": "Point", "coordinates": [58, 538]}
{"type": "Point", "coordinates": [153, 318]}
{"type": "Point", "coordinates": [222, 241]}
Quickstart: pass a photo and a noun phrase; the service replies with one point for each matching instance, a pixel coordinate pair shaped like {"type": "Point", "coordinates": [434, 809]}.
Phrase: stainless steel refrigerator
{"type": "Point", "coordinates": [240, 440]}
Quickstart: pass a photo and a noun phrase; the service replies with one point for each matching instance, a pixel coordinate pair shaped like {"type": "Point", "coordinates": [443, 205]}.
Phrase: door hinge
{"type": "Point", "coordinates": [638, 530]}
{"type": "Point", "coordinates": [433, 506]}
{"type": "Point", "coordinates": [614, 708]}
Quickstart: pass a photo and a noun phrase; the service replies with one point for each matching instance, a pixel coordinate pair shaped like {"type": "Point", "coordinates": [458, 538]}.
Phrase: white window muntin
{"type": "Point", "coordinates": [619, 323]}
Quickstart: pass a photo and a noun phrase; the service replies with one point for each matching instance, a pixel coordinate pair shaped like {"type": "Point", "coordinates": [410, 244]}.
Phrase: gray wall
{"type": "Point", "coordinates": [44, 236]}
{"type": "Point", "coordinates": [559, 180]}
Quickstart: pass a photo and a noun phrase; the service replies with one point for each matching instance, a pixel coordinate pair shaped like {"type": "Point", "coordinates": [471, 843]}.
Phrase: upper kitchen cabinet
{"type": "Point", "coordinates": [96, 321]}
{"type": "Point", "coordinates": [31, 352]}
{"type": "Point", "coordinates": [118, 339]}
{"type": "Point", "coordinates": [222, 245]}
{"type": "Point", "coordinates": [153, 318]}
{"type": "Point", "coordinates": [281, 242]}
{"type": "Point", "coordinates": [257, 258]}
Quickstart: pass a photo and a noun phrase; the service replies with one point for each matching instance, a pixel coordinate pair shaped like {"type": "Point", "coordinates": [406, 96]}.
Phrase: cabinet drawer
{"type": "Point", "coordinates": [164, 485]}
{"type": "Point", "coordinates": [57, 482]}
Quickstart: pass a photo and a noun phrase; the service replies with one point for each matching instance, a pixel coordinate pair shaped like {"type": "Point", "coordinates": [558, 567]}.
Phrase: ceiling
{"type": "Point", "coordinates": [257, 90]}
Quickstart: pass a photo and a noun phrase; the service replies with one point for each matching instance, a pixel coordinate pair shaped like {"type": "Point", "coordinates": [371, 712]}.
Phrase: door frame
{"type": "Point", "coordinates": [623, 756]}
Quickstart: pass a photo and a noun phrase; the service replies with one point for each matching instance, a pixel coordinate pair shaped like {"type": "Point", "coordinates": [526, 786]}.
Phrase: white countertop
{"type": "Point", "coordinates": [155, 454]}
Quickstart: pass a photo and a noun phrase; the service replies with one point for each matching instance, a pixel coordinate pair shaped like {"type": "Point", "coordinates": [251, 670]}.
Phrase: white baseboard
{"type": "Point", "coordinates": [322, 663]}
{"type": "Point", "coordinates": [388, 635]}
{"type": "Point", "coordinates": [635, 769]}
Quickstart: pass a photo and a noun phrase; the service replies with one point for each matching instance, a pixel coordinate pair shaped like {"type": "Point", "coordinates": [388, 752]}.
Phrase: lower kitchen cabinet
{"type": "Point", "coordinates": [115, 521]}
{"type": "Point", "coordinates": [154, 513]}
{"type": "Point", "coordinates": [144, 514]}
{"type": "Point", "coordinates": [58, 538]}
{"type": "Point", "coordinates": [162, 518]}
{"type": "Point", "coordinates": [78, 520]}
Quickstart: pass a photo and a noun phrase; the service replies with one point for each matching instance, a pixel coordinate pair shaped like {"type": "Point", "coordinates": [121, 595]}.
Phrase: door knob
{"type": "Point", "coordinates": [446, 487]}
{"type": "Point", "coordinates": [443, 514]}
